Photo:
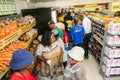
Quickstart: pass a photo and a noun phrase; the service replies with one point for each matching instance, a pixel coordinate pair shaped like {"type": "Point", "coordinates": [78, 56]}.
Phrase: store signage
{"type": "Point", "coordinates": [115, 6]}
{"type": "Point", "coordinates": [91, 6]}
{"type": "Point", "coordinates": [78, 6]}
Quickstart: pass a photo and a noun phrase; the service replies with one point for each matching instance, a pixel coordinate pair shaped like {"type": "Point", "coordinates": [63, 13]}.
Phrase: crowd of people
{"type": "Point", "coordinates": [58, 60]}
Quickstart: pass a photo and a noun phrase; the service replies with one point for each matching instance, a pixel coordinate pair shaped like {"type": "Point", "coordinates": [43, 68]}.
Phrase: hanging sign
{"type": "Point", "coordinates": [115, 6]}
{"type": "Point", "coordinates": [78, 6]}
{"type": "Point", "coordinates": [91, 6]}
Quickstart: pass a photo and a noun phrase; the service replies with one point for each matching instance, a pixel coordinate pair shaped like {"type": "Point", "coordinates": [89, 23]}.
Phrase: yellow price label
{"type": "Point", "coordinates": [115, 6]}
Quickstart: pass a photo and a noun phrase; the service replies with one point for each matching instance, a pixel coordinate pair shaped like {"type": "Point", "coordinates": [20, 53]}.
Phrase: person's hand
{"type": "Point", "coordinates": [61, 61]}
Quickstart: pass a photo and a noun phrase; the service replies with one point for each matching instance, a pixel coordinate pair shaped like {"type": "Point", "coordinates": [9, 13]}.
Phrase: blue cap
{"type": "Point", "coordinates": [21, 59]}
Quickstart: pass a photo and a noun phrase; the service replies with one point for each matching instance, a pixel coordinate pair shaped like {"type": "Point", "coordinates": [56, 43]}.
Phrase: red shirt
{"type": "Point", "coordinates": [65, 37]}
{"type": "Point", "coordinates": [28, 76]}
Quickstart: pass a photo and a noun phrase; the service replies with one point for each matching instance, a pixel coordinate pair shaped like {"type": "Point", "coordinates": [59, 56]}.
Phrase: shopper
{"type": "Point", "coordinates": [68, 18]}
{"type": "Point", "coordinates": [50, 54]}
{"type": "Point", "coordinates": [87, 26]}
{"type": "Point", "coordinates": [75, 70]}
{"type": "Point", "coordinates": [53, 26]}
{"type": "Point", "coordinates": [117, 14]}
{"type": "Point", "coordinates": [77, 33]}
{"type": "Point", "coordinates": [65, 38]}
{"type": "Point", "coordinates": [59, 40]}
{"type": "Point", "coordinates": [20, 64]}
{"type": "Point", "coordinates": [61, 17]}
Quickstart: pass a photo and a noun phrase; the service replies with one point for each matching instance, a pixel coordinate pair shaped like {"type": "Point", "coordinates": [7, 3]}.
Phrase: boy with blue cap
{"type": "Point", "coordinates": [20, 63]}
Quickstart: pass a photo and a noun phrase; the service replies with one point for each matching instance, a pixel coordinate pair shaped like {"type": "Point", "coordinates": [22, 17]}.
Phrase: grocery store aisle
{"type": "Point", "coordinates": [92, 70]}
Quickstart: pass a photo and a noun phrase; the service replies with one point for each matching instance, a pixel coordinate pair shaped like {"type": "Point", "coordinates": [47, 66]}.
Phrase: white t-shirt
{"type": "Point", "coordinates": [87, 25]}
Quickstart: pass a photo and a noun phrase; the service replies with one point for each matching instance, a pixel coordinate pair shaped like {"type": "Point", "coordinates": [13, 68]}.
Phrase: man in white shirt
{"type": "Point", "coordinates": [88, 28]}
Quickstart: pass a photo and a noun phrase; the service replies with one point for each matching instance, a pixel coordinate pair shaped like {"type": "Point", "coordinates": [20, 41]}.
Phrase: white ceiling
{"type": "Point", "coordinates": [41, 0]}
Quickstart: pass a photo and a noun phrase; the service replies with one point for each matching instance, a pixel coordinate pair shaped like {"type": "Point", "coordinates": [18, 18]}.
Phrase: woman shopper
{"type": "Point", "coordinates": [60, 41]}
{"type": "Point", "coordinates": [20, 64]}
{"type": "Point", "coordinates": [50, 54]}
{"type": "Point", "coordinates": [75, 70]}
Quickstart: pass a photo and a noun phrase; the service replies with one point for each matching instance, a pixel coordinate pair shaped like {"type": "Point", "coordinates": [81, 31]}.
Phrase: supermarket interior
{"type": "Point", "coordinates": [59, 39]}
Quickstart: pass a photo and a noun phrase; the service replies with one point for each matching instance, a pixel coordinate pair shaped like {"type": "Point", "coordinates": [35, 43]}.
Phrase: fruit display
{"type": "Point", "coordinates": [10, 25]}
{"type": "Point", "coordinates": [7, 28]}
{"type": "Point", "coordinates": [23, 21]}
{"type": "Point", "coordinates": [11, 29]}
{"type": "Point", "coordinates": [25, 37]}
{"type": "Point", "coordinates": [28, 35]}
{"type": "Point", "coordinates": [33, 46]}
{"type": "Point", "coordinates": [6, 53]}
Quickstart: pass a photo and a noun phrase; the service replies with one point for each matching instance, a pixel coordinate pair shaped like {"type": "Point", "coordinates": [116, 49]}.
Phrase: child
{"type": "Point", "coordinates": [20, 63]}
{"type": "Point", "coordinates": [75, 70]}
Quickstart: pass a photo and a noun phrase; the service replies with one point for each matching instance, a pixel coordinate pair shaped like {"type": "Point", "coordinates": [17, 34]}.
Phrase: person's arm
{"type": "Point", "coordinates": [40, 57]}
{"type": "Point", "coordinates": [81, 74]}
{"type": "Point", "coordinates": [85, 25]}
{"type": "Point", "coordinates": [39, 53]}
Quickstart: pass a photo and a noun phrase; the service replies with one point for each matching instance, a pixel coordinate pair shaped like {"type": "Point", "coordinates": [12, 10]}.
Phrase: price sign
{"type": "Point", "coordinates": [91, 6]}
{"type": "Point", "coordinates": [115, 6]}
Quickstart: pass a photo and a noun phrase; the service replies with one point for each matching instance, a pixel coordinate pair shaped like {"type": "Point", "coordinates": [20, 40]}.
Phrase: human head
{"type": "Point", "coordinates": [78, 20]}
{"type": "Point", "coordinates": [47, 38]}
{"type": "Point", "coordinates": [84, 14]}
{"type": "Point", "coordinates": [21, 59]}
{"type": "Point", "coordinates": [51, 24]}
{"type": "Point", "coordinates": [69, 14]}
{"type": "Point", "coordinates": [75, 21]}
{"type": "Point", "coordinates": [55, 32]}
{"type": "Point", "coordinates": [117, 14]}
{"type": "Point", "coordinates": [76, 54]}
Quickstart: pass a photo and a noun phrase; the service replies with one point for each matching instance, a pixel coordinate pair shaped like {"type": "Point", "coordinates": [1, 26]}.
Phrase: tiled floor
{"type": "Point", "coordinates": [92, 70]}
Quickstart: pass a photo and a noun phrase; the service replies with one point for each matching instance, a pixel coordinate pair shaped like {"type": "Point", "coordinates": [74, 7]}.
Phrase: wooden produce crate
{"type": "Point", "coordinates": [4, 72]}
{"type": "Point", "coordinates": [26, 28]}
{"type": "Point", "coordinates": [30, 40]}
{"type": "Point", "coordinates": [7, 40]}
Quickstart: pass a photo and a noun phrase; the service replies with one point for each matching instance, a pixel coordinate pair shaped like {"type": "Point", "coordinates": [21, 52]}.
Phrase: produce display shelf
{"type": "Point", "coordinates": [4, 72]}
{"type": "Point", "coordinates": [27, 27]}
{"type": "Point", "coordinates": [30, 40]}
{"type": "Point", "coordinates": [7, 40]}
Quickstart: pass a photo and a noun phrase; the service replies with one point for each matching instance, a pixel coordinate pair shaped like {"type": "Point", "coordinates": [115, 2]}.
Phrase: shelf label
{"type": "Point", "coordinates": [91, 6]}
{"type": "Point", "coordinates": [115, 6]}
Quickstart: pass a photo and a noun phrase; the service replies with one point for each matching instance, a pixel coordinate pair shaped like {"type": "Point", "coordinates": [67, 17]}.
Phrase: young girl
{"type": "Point", "coordinates": [20, 64]}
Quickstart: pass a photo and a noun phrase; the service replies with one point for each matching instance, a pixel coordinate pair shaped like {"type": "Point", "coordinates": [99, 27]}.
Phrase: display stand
{"type": "Point", "coordinates": [110, 55]}
{"type": "Point", "coordinates": [9, 39]}
{"type": "Point", "coordinates": [96, 41]}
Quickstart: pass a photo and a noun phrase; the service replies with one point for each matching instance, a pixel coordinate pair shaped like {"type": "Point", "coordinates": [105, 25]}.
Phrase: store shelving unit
{"type": "Point", "coordinates": [110, 55]}
{"type": "Point", "coordinates": [12, 37]}
{"type": "Point", "coordinates": [96, 41]}
{"type": "Point", "coordinates": [99, 26]}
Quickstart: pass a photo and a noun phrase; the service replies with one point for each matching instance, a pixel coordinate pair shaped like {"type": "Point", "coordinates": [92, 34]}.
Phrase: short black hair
{"type": "Point", "coordinates": [46, 39]}
{"type": "Point", "coordinates": [75, 20]}
{"type": "Point", "coordinates": [117, 14]}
